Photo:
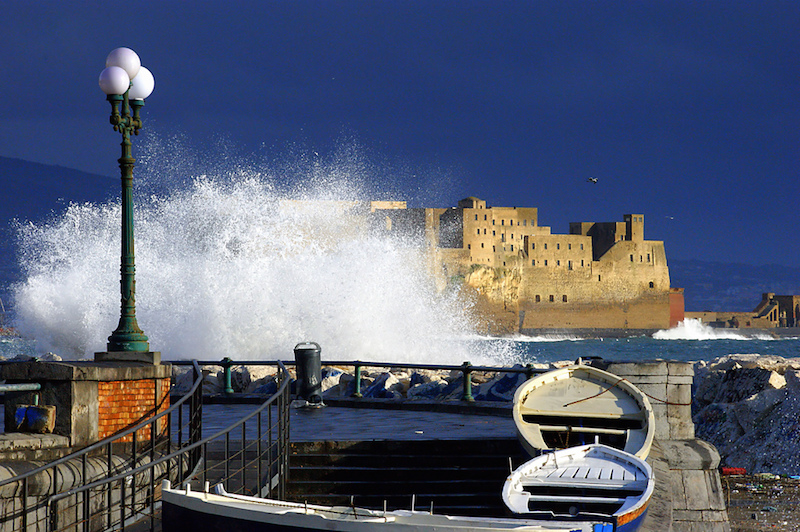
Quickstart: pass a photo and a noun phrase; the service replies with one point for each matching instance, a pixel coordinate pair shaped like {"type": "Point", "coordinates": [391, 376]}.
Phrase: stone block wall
{"type": "Point", "coordinates": [668, 386]}
{"type": "Point", "coordinates": [695, 488]}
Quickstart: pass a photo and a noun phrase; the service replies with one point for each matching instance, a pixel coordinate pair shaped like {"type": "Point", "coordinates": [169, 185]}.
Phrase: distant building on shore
{"type": "Point", "coordinates": [773, 311]}
{"type": "Point", "coordinates": [601, 275]}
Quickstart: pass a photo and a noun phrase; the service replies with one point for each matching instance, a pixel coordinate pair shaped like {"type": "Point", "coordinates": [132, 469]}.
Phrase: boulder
{"type": "Point", "coordinates": [501, 388]}
{"type": "Point", "coordinates": [750, 412]}
{"type": "Point", "coordinates": [717, 423]}
{"type": "Point", "coordinates": [432, 389]}
{"type": "Point", "coordinates": [266, 386]}
{"type": "Point", "coordinates": [736, 384]}
{"type": "Point", "coordinates": [748, 406]}
{"type": "Point", "coordinates": [386, 386]}
{"type": "Point", "coordinates": [255, 376]}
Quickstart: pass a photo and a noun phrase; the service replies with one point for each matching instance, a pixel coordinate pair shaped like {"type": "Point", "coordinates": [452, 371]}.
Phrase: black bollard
{"type": "Point", "coordinates": [309, 372]}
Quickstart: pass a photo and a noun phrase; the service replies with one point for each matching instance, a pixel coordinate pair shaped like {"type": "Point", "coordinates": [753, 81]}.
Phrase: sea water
{"type": "Point", "coordinates": [245, 260]}
{"type": "Point", "coordinates": [674, 344]}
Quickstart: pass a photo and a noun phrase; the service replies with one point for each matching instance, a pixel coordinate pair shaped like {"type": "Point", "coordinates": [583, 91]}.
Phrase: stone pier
{"type": "Point", "coordinates": [694, 487]}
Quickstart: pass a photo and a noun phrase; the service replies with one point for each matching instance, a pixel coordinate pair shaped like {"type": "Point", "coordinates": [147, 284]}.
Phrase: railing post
{"type": "Point", "coordinates": [529, 370]}
{"type": "Point", "coordinates": [466, 369]}
{"type": "Point", "coordinates": [357, 392]}
{"type": "Point", "coordinates": [226, 366]}
{"type": "Point", "coordinates": [25, 503]}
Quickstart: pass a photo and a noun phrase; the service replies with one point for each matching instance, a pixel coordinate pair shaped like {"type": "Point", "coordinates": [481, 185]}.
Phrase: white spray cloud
{"type": "Point", "coordinates": [225, 267]}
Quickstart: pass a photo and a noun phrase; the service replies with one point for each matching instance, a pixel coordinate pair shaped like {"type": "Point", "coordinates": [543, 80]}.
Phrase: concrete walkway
{"type": "Point", "coordinates": [361, 424]}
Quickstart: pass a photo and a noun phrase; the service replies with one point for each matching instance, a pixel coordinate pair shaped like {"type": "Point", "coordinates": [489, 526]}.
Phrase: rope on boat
{"type": "Point", "coordinates": [663, 401]}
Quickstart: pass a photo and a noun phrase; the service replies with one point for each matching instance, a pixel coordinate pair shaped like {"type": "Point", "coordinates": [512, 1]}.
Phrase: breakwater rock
{"type": "Point", "coordinates": [748, 407]}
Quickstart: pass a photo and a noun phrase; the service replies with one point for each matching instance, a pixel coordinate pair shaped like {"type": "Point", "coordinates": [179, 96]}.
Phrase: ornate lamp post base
{"type": "Point", "coordinates": [148, 357]}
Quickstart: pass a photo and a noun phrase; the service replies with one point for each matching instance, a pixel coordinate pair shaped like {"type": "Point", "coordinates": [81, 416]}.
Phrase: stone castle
{"type": "Point", "coordinates": [601, 275]}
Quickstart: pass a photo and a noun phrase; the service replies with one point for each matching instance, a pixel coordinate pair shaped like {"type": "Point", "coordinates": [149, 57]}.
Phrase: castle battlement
{"type": "Point", "coordinates": [599, 275]}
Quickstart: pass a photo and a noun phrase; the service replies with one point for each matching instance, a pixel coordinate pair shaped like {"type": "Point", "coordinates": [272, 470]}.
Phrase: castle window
{"type": "Point", "coordinates": [533, 245]}
{"type": "Point", "coordinates": [598, 278]}
{"type": "Point", "coordinates": [564, 298]}
{"type": "Point", "coordinates": [558, 263]}
{"type": "Point", "coordinates": [494, 248]}
{"type": "Point", "coordinates": [512, 247]}
{"type": "Point", "coordinates": [581, 263]}
{"type": "Point", "coordinates": [569, 246]}
{"type": "Point", "coordinates": [538, 298]}
{"type": "Point", "coordinates": [648, 257]}
{"type": "Point", "coordinates": [631, 258]}
{"type": "Point", "coordinates": [569, 265]}
{"type": "Point", "coordinates": [545, 245]}
{"type": "Point", "coordinates": [469, 246]}
{"type": "Point", "coordinates": [533, 262]}
{"type": "Point", "coordinates": [484, 217]}
{"type": "Point", "coordinates": [558, 246]}
{"type": "Point", "coordinates": [532, 224]}
{"type": "Point", "coordinates": [503, 237]}
{"type": "Point", "coordinates": [652, 285]}
{"type": "Point", "coordinates": [641, 259]}
{"type": "Point", "coordinates": [545, 262]}
{"type": "Point", "coordinates": [524, 222]}
{"type": "Point", "coordinates": [504, 263]}
{"type": "Point", "coordinates": [492, 221]}
{"type": "Point", "coordinates": [484, 230]}
{"type": "Point", "coordinates": [512, 236]}
{"type": "Point", "coordinates": [476, 217]}
{"type": "Point", "coordinates": [481, 244]}
{"type": "Point", "coordinates": [552, 298]}
{"type": "Point", "coordinates": [479, 231]}
{"type": "Point", "coordinates": [581, 247]}
{"type": "Point", "coordinates": [494, 233]}
{"type": "Point", "coordinates": [502, 222]}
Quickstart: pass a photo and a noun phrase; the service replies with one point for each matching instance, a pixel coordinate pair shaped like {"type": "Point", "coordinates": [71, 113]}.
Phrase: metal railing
{"type": "Point", "coordinates": [256, 464]}
{"type": "Point", "coordinates": [466, 369]}
{"type": "Point", "coordinates": [118, 454]}
{"type": "Point", "coordinates": [113, 484]}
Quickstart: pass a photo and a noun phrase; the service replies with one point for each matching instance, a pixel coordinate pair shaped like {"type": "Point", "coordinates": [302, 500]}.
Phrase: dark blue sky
{"type": "Point", "coordinates": [686, 112]}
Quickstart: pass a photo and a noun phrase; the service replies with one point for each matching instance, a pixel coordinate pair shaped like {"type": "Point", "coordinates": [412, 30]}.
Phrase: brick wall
{"type": "Point", "coordinates": [122, 404]}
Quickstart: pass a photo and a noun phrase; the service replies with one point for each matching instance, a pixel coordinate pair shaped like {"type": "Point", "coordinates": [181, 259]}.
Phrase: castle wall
{"type": "Point", "coordinates": [600, 275]}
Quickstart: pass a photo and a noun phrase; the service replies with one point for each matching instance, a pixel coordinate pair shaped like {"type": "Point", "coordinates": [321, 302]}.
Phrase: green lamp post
{"type": "Point", "coordinates": [126, 84]}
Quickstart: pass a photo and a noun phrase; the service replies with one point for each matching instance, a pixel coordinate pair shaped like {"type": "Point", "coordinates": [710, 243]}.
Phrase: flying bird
{"type": "Point", "coordinates": [592, 180]}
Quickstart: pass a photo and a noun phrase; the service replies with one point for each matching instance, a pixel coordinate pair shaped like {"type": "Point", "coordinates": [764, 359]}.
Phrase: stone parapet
{"type": "Point", "coordinates": [92, 399]}
{"type": "Point", "coordinates": [668, 386]}
{"type": "Point", "coordinates": [698, 503]}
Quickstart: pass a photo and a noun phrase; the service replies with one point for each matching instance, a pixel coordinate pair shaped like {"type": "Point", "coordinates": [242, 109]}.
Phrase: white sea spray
{"type": "Point", "coordinates": [236, 261]}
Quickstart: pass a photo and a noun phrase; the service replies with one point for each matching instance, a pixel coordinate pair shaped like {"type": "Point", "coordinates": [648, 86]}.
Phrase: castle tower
{"type": "Point", "coordinates": [634, 227]}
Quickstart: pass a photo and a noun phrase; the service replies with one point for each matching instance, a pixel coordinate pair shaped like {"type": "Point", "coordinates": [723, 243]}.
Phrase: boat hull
{"type": "Point", "coordinates": [591, 481]}
{"type": "Point", "coordinates": [195, 511]}
{"type": "Point", "coordinates": [580, 405]}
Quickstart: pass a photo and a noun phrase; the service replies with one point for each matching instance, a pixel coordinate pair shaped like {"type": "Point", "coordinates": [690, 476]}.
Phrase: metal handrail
{"type": "Point", "coordinates": [113, 437]}
{"type": "Point", "coordinates": [281, 396]}
{"type": "Point", "coordinates": [104, 449]}
{"type": "Point", "coordinates": [466, 369]}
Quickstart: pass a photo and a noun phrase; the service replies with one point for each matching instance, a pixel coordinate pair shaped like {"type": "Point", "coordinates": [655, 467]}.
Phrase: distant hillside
{"type": "Point", "coordinates": [730, 287]}
{"type": "Point", "coordinates": [33, 191]}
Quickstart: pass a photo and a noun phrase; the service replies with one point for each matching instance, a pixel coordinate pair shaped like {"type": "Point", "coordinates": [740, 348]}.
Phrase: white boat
{"type": "Point", "coordinates": [579, 405]}
{"type": "Point", "coordinates": [586, 482]}
{"type": "Point", "coordinates": [191, 511]}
